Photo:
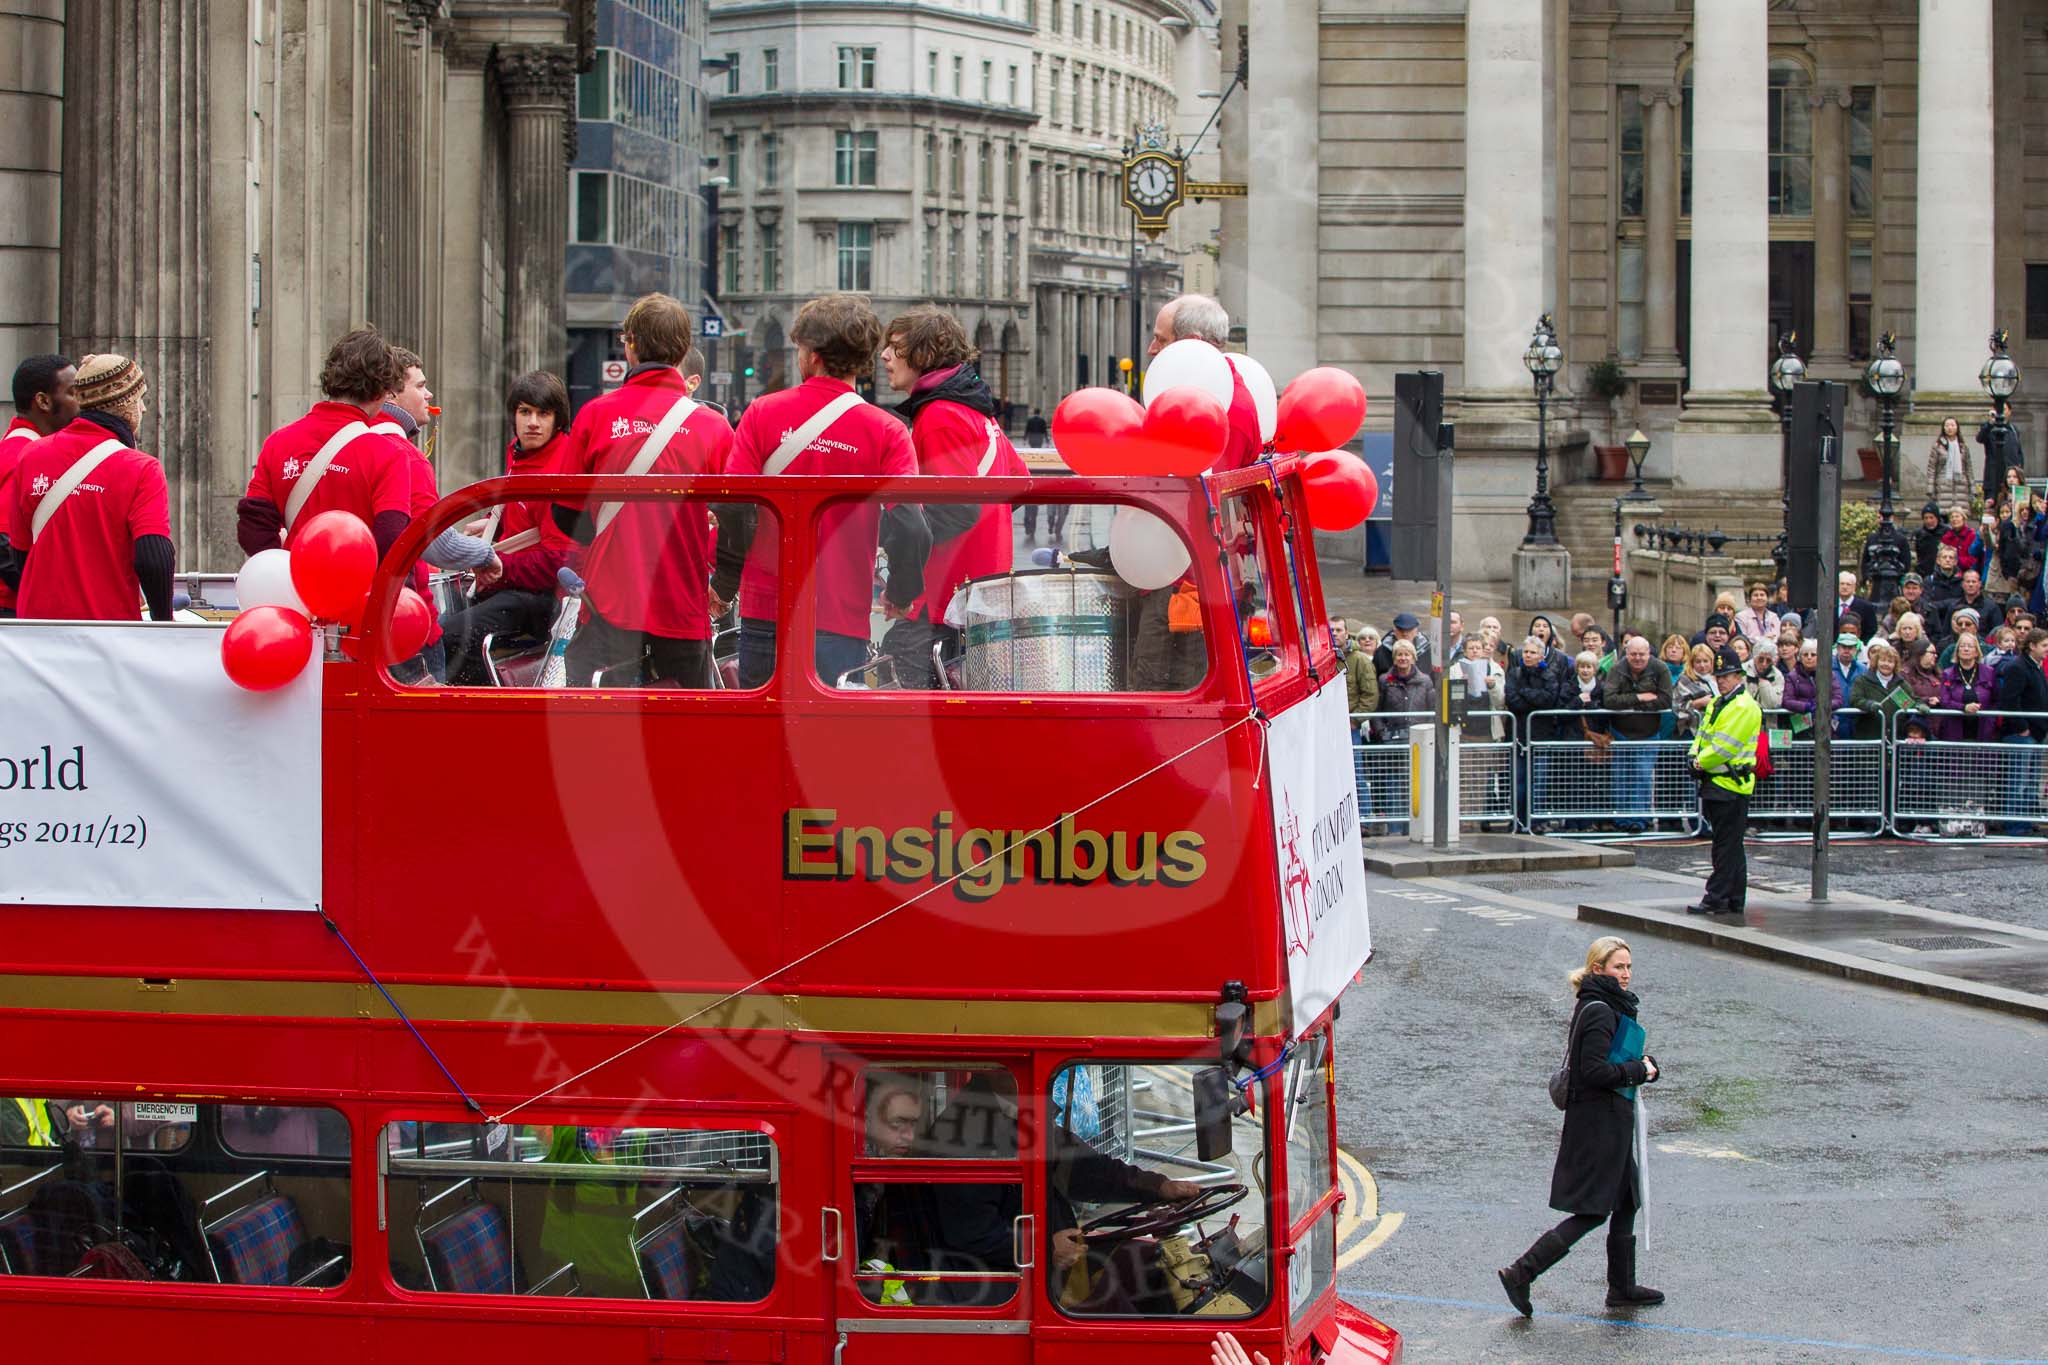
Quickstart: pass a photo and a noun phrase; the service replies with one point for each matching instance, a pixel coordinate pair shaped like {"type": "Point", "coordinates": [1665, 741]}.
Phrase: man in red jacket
{"type": "Point", "coordinates": [518, 599]}
{"type": "Point", "coordinates": [648, 568]}
{"type": "Point", "coordinates": [954, 430]}
{"type": "Point", "coordinates": [90, 531]}
{"type": "Point", "coordinates": [45, 401]}
{"type": "Point", "coordinates": [823, 427]}
{"type": "Point", "coordinates": [330, 459]}
{"type": "Point", "coordinates": [1200, 317]}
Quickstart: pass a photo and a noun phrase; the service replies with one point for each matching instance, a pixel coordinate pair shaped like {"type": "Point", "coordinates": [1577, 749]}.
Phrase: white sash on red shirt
{"type": "Point", "coordinates": [799, 440]}
{"type": "Point", "coordinates": [317, 468]}
{"type": "Point", "coordinates": [67, 483]}
{"type": "Point", "coordinates": [650, 450]}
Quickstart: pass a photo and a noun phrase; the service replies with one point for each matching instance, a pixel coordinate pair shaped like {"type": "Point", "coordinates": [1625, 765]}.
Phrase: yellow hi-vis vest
{"type": "Point", "coordinates": [38, 1115]}
{"type": "Point", "coordinates": [1724, 750]}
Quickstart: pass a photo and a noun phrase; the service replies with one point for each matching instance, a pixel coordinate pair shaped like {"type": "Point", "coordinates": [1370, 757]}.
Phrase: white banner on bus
{"type": "Point", "coordinates": [133, 773]}
{"type": "Point", "coordinates": [1321, 861]}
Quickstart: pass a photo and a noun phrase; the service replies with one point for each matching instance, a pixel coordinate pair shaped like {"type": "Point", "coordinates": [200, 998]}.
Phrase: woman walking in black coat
{"type": "Point", "coordinates": [1597, 1179]}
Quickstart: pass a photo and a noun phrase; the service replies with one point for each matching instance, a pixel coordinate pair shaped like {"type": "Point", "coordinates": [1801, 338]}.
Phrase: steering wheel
{"type": "Point", "coordinates": [1144, 1220]}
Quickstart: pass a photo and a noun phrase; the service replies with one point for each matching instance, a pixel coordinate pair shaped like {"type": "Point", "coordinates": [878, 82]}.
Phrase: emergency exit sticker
{"type": "Point", "coordinates": [159, 1111]}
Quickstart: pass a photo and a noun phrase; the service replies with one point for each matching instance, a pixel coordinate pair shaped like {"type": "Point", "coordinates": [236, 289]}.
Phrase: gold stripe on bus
{"type": "Point", "coordinates": [339, 1000]}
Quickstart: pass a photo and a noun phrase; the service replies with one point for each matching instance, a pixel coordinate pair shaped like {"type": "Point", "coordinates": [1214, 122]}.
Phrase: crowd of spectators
{"type": "Point", "coordinates": [1949, 659]}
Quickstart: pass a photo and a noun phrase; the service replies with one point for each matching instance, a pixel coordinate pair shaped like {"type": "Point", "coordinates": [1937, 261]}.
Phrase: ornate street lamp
{"type": "Point", "coordinates": [1786, 372]}
{"type": "Point", "coordinates": [1884, 554]}
{"type": "Point", "coordinates": [1638, 451]}
{"type": "Point", "coordinates": [2001, 379]}
{"type": "Point", "coordinates": [1543, 357]}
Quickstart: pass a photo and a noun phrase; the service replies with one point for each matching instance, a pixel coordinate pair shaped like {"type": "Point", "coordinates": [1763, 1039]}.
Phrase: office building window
{"type": "Point", "coordinates": [853, 158]}
{"type": "Point", "coordinates": [1628, 137]}
{"type": "Point", "coordinates": [954, 264]}
{"type": "Point", "coordinates": [1057, 11]}
{"type": "Point", "coordinates": [931, 163]}
{"type": "Point", "coordinates": [1098, 28]}
{"type": "Point", "coordinates": [1053, 95]}
{"type": "Point", "coordinates": [931, 71]}
{"type": "Point", "coordinates": [771, 69]}
{"type": "Point", "coordinates": [1079, 31]}
{"type": "Point", "coordinates": [985, 267]}
{"type": "Point", "coordinates": [985, 182]}
{"type": "Point", "coordinates": [1014, 90]}
{"type": "Point", "coordinates": [771, 160]}
{"type": "Point", "coordinates": [771, 259]}
{"type": "Point", "coordinates": [959, 167]}
{"type": "Point", "coordinates": [988, 82]}
{"type": "Point", "coordinates": [931, 262]}
{"type": "Point", "coordinates": [730, 162]}
{"type": "Point", "coordinates": [1015, 274]}
{"type": "Point", "coordinates": [856, 68]}
{"type": "Point", "coordinates": [1077, 99]}
{"type": "Point", "coordinates": [1096, 121]}
{"type": "Point", "coordinates": [594, 89]}
{"type": "Point", "coordinates": [856, 257]}
{"type": "Point", "coordinates": [732, 73]}
{"type": "Point", "coordinates": [959, 77]}
{"type": "Point", "coordinates": [646, 97]}
{"type": "Point", "coordinates": [1862, 151]}
{"type": "Point", "coordinates": [593, 207]}
{"type": "Point", "coordinates": [1860, 275]}
{"type": "Point", "coordinates": [1629, 290]}
{"type": "Point", "coordinates": [1010, 174]}
{"type": "Point", "coordinates": [729, 262]}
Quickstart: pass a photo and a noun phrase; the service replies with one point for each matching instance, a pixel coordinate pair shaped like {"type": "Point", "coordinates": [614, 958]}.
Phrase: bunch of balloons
{"type": "Point", "coordinates": [325, 576]}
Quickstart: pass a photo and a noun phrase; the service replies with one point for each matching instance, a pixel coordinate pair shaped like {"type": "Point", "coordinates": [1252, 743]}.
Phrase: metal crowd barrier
{"type": "Point", "coordinates": [1954, 785]}
{"type": "Point", "coordinates": [1949, 785]}
{"type": "Point", "coordinates": [1638, 786]}
{"type": "Point", "coordinates": [1783, 803]}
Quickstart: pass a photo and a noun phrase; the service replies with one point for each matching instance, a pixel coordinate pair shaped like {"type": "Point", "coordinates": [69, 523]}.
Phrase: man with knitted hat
{"type": "Point", "coordinates": [45, 401]}
{"type": "Point", "coordinates": [89, 534]}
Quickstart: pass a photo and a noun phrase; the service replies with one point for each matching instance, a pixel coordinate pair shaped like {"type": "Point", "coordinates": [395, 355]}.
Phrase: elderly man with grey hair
{"type": "Point", "coordinates": [1198, 317]}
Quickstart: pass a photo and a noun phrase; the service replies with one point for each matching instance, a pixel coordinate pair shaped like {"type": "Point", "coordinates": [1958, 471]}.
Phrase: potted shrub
{"type": "Point", "coordinates": [1606, 381]}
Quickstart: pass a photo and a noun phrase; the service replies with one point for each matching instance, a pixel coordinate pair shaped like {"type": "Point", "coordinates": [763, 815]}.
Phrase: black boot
{"type": "Point", "coordinates": [1622, 1289]}
{"type": "Point", "coordinates": [1545, 1252]}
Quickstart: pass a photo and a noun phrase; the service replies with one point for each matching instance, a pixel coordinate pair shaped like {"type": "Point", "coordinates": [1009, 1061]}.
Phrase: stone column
{"type": "Point", "coordinates": [1727, 436]}
{"type": "Point", "coordinates": [32, 96]}
{"type": "Point", "coordinates": [1953, 283]}
{"type": "Point", "coordinates": [538, 86]}
{"type": "Point", "coordinates": [1283, 110]}
{"type": "Point", "coordinates": [1830, 339]}
{"type": "Point", "coordinates": [1505, 252]}
{"type": "Point", "coordinates": [1660, 227]}
{"type": "Point", "coordinates": [135, 247]}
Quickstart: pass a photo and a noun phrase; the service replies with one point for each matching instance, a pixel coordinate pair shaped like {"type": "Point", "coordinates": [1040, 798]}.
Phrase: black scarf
{"type": "Point", "coordinates": [1598, 986]}
{"type": "Point", "coordinates": [122, 432]}
{"type": "Point", "coordinates": [964, 386]}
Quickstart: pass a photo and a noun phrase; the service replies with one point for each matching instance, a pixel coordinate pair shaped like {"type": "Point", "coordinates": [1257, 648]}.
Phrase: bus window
{"type": "Point", "coordinates": [187, 1209]}
{"type": "Point", "coordinates": [652, 598]}
{"type": "Point", "coordinates": [1302, 582]}
{"type": "Point", "coordinates": [575, 1209]}
{"type": "Point", "coordinates": [1137, 1225]}
{"type": "Point", "coordinates": [1310, 1172]}
{"type": "Point", "coordinates": [1248, 562]}
{"type": "Point", "coordinates": [926, 1243]}
{"type": "Point", "coordinates": [992, 613]}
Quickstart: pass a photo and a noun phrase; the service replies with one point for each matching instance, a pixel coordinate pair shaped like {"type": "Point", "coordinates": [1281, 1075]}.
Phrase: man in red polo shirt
{"type": "Point", "coordinates": [648, 569]}
{"type": "Point", "coordinates": [1200, 317]}
{"type": "Point", "coordinates": [45, 401]}
{"type": "Point", "coordinates": [323, 463]}
{"type": "Point", "coordinates": [823, 427]}
{"type": "Point", "coordinates": [953, 426]}
{"type": "Point", "coordinates": [90, 530]}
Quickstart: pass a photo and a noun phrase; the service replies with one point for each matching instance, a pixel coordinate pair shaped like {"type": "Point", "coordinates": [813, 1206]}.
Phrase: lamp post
{"type": "Point", "coordinates": [2001, 379]}
{"type": "Point", "coordinates": [1638, 451]}
{"type": "Point", "coordinates": [1786, 372]}
{"type": "Point", "coordinates": [1543, 357]}
{"type": "Point", "coordinates": [1884, 554]}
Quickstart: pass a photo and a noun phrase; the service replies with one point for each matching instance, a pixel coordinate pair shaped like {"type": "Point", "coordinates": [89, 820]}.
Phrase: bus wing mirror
{"type": "Point", "coordinates": [1216, 1104]}
{"type": "Point", "coordinates": [1232, 1046]}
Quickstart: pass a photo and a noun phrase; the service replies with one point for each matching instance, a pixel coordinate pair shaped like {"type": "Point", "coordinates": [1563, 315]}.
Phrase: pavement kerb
{"type": "Point", "coordinates": [1848, 966]}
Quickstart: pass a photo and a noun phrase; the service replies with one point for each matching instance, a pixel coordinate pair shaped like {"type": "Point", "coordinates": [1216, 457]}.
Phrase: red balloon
{"type": "Point", "coordinates": [266, 647]}
{"type": "Point", "coordinates": [1321, 409]}
{"type": "Point", "coordinates": [333, 558]}
{"type": "Point", "coordinates": [1091, 426]}
{"type": "Point", "coordinates": [1185, 430]}
{"type": "Point", "coordinates": [411, 623]}
{"type": "Point", "coordinates": [1341, 490]}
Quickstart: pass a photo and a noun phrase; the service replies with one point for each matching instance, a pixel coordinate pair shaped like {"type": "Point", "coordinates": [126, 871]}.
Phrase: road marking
{"type": "Point", "coordinates": [1702, 1150]}
{"type": "Point", "coordinates": [1361, 1207]}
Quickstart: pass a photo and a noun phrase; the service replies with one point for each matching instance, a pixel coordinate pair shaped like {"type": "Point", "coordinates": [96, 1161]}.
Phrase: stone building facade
{"type": "Point", "coordinates": [962, 152]}
{"type": "Point", "coordinates": [1677, 182]}
{"type": "Point", "coordinates": [237, 184]}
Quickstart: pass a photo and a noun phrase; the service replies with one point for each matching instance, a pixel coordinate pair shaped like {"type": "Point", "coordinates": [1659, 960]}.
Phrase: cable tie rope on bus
{"type": "Point", "coordinates": [403, 1017]}
{"type": "Point", "coordinates": [830, 944]}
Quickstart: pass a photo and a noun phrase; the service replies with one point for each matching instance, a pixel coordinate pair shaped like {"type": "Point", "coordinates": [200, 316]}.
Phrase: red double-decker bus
{"type": "Point", "coordinates": [820, 1021]}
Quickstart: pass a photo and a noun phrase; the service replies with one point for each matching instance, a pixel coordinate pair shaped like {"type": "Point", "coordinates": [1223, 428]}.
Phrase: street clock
{"type": "Point", "coordinates": [1153, 187]}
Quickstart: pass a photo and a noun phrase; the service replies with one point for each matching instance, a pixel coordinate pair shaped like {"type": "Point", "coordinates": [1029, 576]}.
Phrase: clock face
{"type": "Point", "coordinates": [1152, 183]}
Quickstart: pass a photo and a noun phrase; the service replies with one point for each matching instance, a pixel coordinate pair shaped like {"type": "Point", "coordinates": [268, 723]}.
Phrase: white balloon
{"type": "Point", "coordinates": [1259, 384]}
{"type": "Point", "coordinates": [1191, 363]}
{"type": "Point", "coordinates": [1145, 551]}
{"type": "Point", "coordinates": [266, 581]}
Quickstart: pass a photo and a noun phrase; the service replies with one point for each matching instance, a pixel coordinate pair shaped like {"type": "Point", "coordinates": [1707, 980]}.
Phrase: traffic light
{"type": "Point", "coordinates": [748, 371]}
{"type": "Point", "coordinates": [1124, 364]}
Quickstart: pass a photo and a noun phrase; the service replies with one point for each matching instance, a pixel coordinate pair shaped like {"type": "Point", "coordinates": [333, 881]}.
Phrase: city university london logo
{"type": "Point", "coordinates": [621, 427]}
{"type": "Point", "coordinates": [1295, 882]}
{"type": "Point", "coordinates": [39, 485]}
{"type": "Point", "coordinates": [293, 467]}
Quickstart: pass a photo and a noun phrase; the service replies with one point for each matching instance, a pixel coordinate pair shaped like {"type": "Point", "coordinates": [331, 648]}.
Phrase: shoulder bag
{"type": "Point", "coordinates": [1561, 1079]}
